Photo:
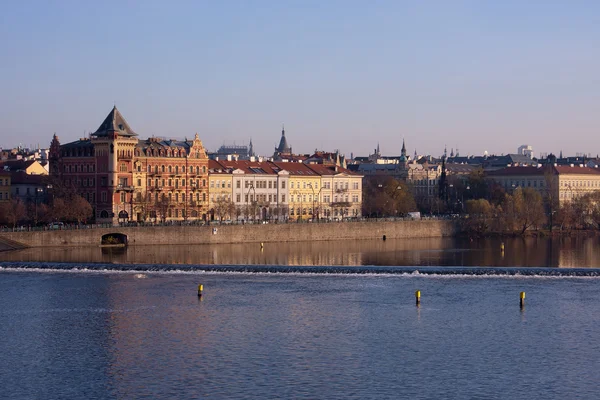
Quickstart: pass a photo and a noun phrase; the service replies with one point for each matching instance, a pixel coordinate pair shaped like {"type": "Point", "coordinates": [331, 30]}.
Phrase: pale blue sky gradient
{"type": "Point", "coordinates": [477, 75]}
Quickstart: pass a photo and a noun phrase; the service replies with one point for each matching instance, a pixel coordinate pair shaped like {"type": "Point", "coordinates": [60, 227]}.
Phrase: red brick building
{"type": "Point", "coordinates": [128, 179]}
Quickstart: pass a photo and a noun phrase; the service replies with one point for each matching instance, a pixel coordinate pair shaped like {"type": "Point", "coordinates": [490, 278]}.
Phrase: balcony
{"type": "Point", "coordinates": [123, 188]}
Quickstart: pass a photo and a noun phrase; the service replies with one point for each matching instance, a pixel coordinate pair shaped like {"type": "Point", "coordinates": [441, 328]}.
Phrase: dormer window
{"type": "Point", "coordinates": [121, 126]}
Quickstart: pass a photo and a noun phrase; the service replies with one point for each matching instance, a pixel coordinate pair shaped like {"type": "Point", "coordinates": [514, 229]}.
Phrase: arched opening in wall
{"type": "Point", "coordinates": [103, 214]}
{"type": "Point", "coordinates": [264, 213]}
{"type": "Point", "coordinates": [114, 240]}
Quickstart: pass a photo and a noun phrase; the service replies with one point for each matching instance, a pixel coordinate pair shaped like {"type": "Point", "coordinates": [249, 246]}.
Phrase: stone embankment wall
{"type": "Point", "coordinates": [221, 234]}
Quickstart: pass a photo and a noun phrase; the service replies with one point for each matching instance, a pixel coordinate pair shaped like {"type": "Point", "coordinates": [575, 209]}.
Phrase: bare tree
{"type": "Point", "coordinates": [12, 212]}
{"type": "Point", "coordinates": [224, 208]}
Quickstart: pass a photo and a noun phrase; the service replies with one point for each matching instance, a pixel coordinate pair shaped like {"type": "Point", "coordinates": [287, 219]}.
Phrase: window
{"type": "Point", "coordinates": [238, 198]}
{"type": "Point", "coordinates": [283, 184]}
{"type": "Point", "coordinates": [238, 184]}
{"type": "Point", "coordinates": [139, 182]}
{"type": "Point", "coordinates": [291, 185]}
{"type": "Point", "coordinates": [123, 197]}
{"type": "Point", "coordinates": [283, 198]}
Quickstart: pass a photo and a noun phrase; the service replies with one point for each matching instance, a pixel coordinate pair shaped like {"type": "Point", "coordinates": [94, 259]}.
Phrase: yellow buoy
{"type": "Point", "coordinates": [418, 297]}
{"type": "Point", "coordinates": [522, 299]}
{"type": "Point", "coordinates": [200, 288]}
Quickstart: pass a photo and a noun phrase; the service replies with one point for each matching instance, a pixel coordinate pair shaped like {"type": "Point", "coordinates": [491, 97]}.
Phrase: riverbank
{"type": "Point", "coordinates": [232, 234]}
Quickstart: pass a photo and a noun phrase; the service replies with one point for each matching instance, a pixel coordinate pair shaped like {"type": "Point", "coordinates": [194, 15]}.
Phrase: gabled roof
{"type": "Point", "coordinates": [114, 122]}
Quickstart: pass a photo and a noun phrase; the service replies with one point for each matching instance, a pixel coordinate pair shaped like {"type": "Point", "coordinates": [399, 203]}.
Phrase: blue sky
{"type": "Point", "coordinates": [477, 75]}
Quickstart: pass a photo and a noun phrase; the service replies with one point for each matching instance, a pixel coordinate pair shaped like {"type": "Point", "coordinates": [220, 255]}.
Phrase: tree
{"type": "Point", "coordinates": [480, 216]}
{"type": "Point", "coordinates": [80, 210]}
{"type": "Point", "coordinates": [12, 212]}
{"type": "Point", "coordinates": [162, 207]}
{"type": "Point", "coordinates": [523, 210]}
{"type": "Point", "coordinates": [224, 207]}
{"type": "Point", "coordinates": [385, 196]}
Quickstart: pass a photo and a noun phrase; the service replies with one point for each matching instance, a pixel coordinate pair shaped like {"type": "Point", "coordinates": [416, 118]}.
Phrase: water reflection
{"type": "Point", "coordinates": [518, 252]}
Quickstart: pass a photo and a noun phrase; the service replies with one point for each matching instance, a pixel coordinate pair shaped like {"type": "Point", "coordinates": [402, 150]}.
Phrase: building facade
{"type": "Point", "coordinates": [126, 179]}
{"type": "Point", "coordinates": [562, 182]}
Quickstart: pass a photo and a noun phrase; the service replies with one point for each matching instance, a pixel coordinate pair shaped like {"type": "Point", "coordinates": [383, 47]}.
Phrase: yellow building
{"type": "Point", "coordinates": [220, 192]}
{"type": "Point", "coordinates": [340, 194]}
{"type": "Point", "coordinates": [304, 189]}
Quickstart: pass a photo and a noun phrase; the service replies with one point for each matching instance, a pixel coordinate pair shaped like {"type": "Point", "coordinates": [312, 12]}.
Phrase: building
{"type": "Point", "coordinates": [130, 179]}
{"type": "Point", "coordinates": [220, 188]}
{"type": "Point", "coordinates": [233, 152]}
{"type": "Point", "coordinates": [339, 194]}
{"type": "Point", "coordinates": [562, 182]}
{"type": "Point", "coordinates": [259, 189]}
{"type": "Point", "coordinates": [4, 186]}
{"type": "Point", "coordinates": [30, 167]}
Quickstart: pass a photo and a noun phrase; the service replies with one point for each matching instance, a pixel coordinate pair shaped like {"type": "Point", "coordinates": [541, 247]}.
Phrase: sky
{"type": "Point", "coordinates": [346, 75]}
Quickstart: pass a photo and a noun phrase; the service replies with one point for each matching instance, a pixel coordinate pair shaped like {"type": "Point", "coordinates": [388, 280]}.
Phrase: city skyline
{"type": "Point", "coordinates": [340, 75]}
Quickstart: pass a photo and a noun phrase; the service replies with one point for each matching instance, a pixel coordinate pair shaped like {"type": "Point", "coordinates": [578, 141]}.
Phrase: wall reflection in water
{"type": "Point", "coordinates": [529, 252]}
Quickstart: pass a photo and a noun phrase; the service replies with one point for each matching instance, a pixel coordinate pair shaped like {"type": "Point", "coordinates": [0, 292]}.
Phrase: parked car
{"type": "Point", "coordinates": [56, 225]}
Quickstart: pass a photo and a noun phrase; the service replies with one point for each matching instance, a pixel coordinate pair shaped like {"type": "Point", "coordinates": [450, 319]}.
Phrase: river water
{"type": "Point", "coordinates": [291, 325]}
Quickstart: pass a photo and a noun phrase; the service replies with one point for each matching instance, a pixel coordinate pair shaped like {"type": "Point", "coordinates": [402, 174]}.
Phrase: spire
{"type": "Point", "coordinates": [250, 149]}
{"type": "Point", "coordinates": [378, 148]}
{"type": "Point", "coordinates": [403, 152]}
{"type": "Point", "coordinates": [283, 144]}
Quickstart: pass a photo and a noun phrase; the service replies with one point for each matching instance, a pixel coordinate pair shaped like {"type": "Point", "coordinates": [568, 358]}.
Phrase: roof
{"type": "Point", "coordinates": [324, 169]}
{"type": "Point", "coordinates": [249, 167]}
{"type": "Point", "coordinates": [283, 144]}
{"type": "Point", "coordinates": [517, 171]}
{"type": "Point", "coordinates": [81, 143]}
{"type": "Point", "coordinates": [114, 122]}
{"type": "Point", "coordinates": [554, 169]}
{"type": "Point", "coordinates": [295, 168]}
{"type": "Point", "coordinates": [22, 178]}
{"type": "Point", "coordinates": [163, 144]}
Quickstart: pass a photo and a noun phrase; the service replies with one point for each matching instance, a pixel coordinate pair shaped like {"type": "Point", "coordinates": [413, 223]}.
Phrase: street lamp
{"type": "Point", "coordinates": [38, 191]}
{"type": "Point", "coordinates": [253, 199]}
